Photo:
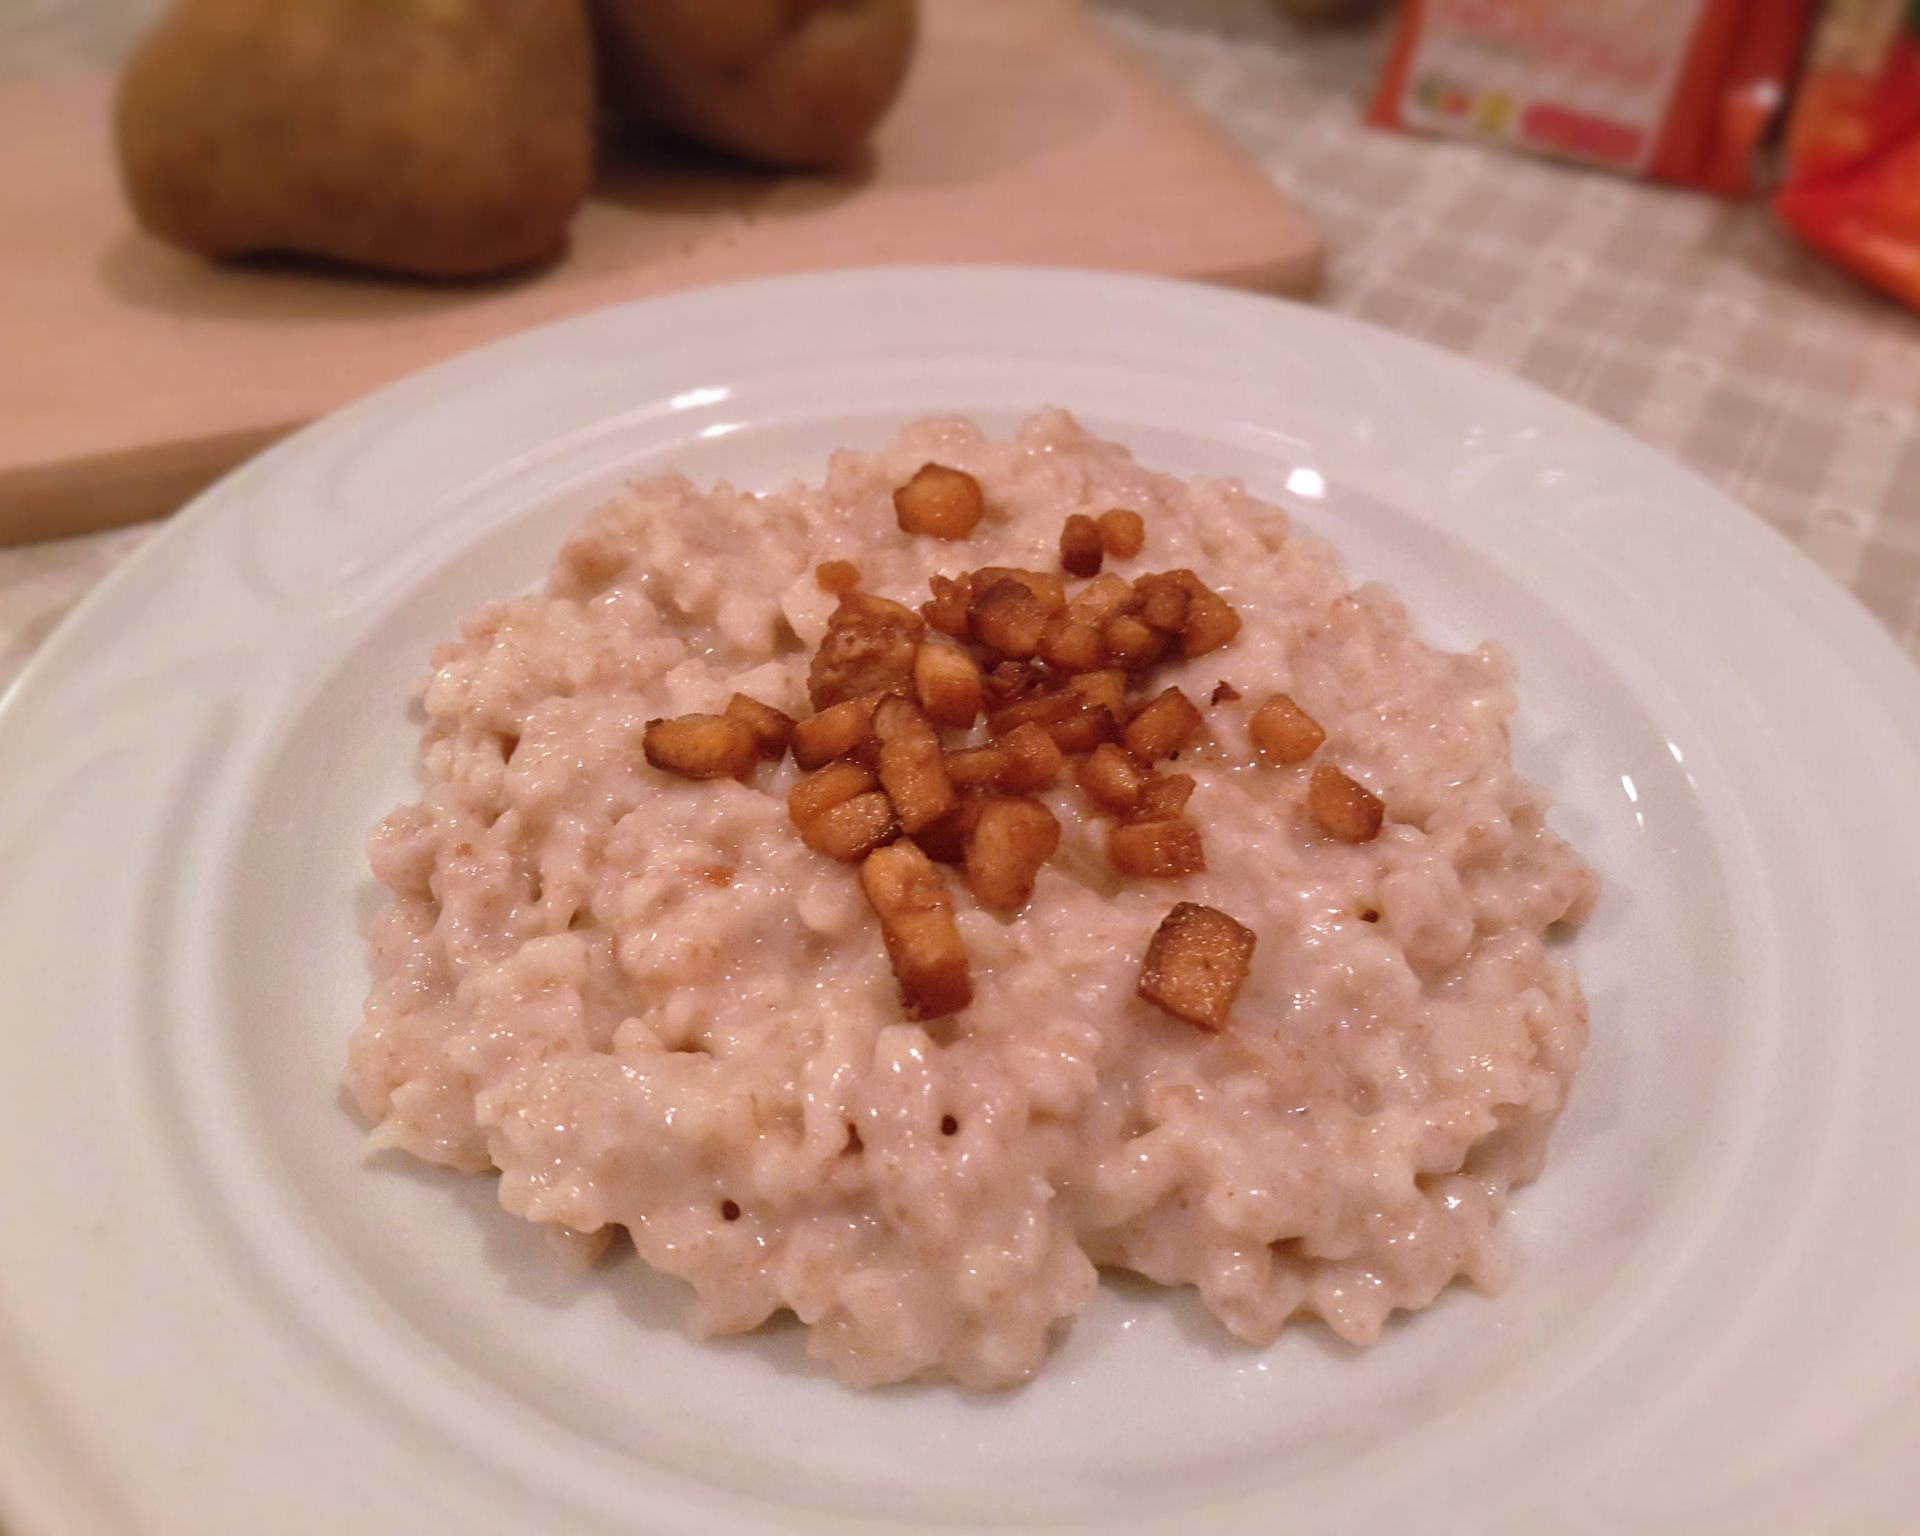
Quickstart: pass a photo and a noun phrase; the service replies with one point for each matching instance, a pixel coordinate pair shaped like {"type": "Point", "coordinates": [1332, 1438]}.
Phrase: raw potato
{"type": "Point", "coordinates": [791, 83]}
{"type": "Point", "coordinates": [438, 138]}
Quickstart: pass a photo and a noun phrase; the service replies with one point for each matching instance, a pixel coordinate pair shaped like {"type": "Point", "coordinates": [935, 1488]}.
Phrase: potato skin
{"type": "Point", "coordinates": [795, 84]}
{"type": "Point", "coordinates": [437, 138]}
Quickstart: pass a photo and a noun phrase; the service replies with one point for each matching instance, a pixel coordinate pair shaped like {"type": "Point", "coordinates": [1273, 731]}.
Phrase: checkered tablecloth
{"type": "Point", "coordinates": [1693, 323]}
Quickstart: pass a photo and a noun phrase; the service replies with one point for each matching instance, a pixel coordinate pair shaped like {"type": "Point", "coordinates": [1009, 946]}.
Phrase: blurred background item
{"type": "Point", "coordinates": [1853, 148]}
{"type": "Point", "coordinates": [1674, 90]}
{"type": "Point", "coordinates": [790, 83]}
{"type": "Point", "coordinates": [1331, 13]}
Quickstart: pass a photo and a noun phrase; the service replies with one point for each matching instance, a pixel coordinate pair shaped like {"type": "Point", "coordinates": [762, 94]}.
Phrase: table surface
{"type": "Point", "coordinates": [1695, 324]}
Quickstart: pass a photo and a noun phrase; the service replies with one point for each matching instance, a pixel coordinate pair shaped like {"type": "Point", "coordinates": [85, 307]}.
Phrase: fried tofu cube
{"type": "Point", "coordinates": [1083, 727]}
{"type": "Point", "coordinates": [816, 793]}
{"type": "Point", "coordinates": [916, 923]}
{"type": "Point", "coordinates": [948, 684]}
{"type": "Point", "coordinates": [1131, 643]}
{"type": "Point", "coordinates": [1010, 841]}
{"type": "Point", "coordinates": [939, 502]}
{"type": "Point", "coordinates": [1011, 681]}
{"type": "Point", "coordinates": [1081, 549]}
{"type": "Point", "coordinates": [852, 829]}
{"type": "Point", "coordinates": [1196, 963]}
{"type": "Point", "coordinates": [701, 746]}
{"type": "Point", "coordinates": [1046, 586]}
{"type": "Point", "coordinates": [870, 608]}
{"type": "Point", "coordinates": [1163, 796]}
{"type": "Point", "coordinates": [946, 610]}
{"type": "Point", "coordinates": [1068, 644]}
{"type": "Point", "coordinates": [976, 767]}
{"type": "Point", "coordinates": [1164, 601]}
{"type": "Point", "coordinates": [1156, 850]}
{"type": "Point", "coordinates": [1163, 727]}
{"type": "Point", "coordinates": [772, 730]}
{"type": "Point", "coordinates": [1006, 617]}
{"type": "Point", "coordinates": [1211, 623]}
{"type": "Point", "coordinates": [1111, 778]}
{"type": "Point", "coordinates": [1341, 808]}
{"type": "Point", "coordinates": [1100, 599]}
{"type": "Point", "coordinates": [835, 732]}
{"type": "Point", "coordinates": [1033, 759]}
{"type": "Point", "coordinates": [1105, 689]}
{"type": "Point", "coordinates": [1124, 533]}
{"type": "Point", "coordinates": [945, 841]}
{"type": "Point", "coordinates": [1285, 732]}
{"type": "Point", "coordinates": [869, 647]}
{"type": "Point", "coordinates": [837, 576]}
{"type": "Point", "coordinates": [1042, 709]}
{"type": "Point", "coordinates": [911, 767]}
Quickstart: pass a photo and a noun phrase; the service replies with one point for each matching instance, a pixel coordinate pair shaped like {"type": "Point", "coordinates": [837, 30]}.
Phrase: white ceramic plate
{"type": "Point", "coordinates": [216, 1315]}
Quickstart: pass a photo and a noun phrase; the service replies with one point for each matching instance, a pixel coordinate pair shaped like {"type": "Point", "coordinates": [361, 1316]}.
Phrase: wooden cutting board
{"type": "Point", "coordinates": [132, 374]}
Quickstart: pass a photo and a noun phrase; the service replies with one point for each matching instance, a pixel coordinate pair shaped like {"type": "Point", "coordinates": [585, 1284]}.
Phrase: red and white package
{"type": "Point", "coordinates": [1675, 90]}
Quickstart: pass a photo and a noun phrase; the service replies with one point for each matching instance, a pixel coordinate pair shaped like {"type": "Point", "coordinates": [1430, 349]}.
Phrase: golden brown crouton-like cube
{"type": "Point", "coordinates": [1196, 964]}
{"type": "Point", "coordinates": [1080, 548]}
{"type": "Point", "coordinates": [947, 682]}
{"type": "Point", "coordinates": [916, 923]}
{"type": "Point", "coordinates": [1012, 681]}
{"type": "Point", "coordinates": [1211, 623]}
{"type": "Point", "coordinates": [869, 647]}
{"type": "Point", "coordinates": [1047, 586]}
{"type": "Point", "coordinates": [1068, 645]}
{"type": "Point", "coordinates": [940, 502]}
{"type": "Point", "coordinates": [1033, 759]}
{"type": "Point", "coordinates": [1163, 727]}
{"type": "Point", "coordinates": [701, 746]}
{"type": "Point", "coordinates": [973, 767]}
{"type": "Point", "coordinates": [946, 610]}
{"type": "Point", "coordinates": [1132, 644]}
{"type": "Point", "coordinates": [1123, 533]}
{"type": "Point", "coordinates": [1105, 689]}
{"type": "Point", "coordinates": [835, 731]}
{"type": "Point", "coordinates": [1005, 850]}
{"type": "Point", "coordinates": [1156, 850]}
{"type": "Point", "coordinates": [1164, 601]}
{"type": "Point", "coordinates": [1100, 599]}
{"type": "Point", "coordinates": [772, 730]}
{"type": "Point", "coordinates": [852, 829]}
{"type": "Point", "coordinates": [869, 608]}
{"type": "Point", "coordinates": [1285, 732]}
{"type": "Point", "coordinates": [945, 841]}
{"type": "Point", "coordinates": [816, 793]}
{"type": "Point", "coordinates": [1083, 728]}
{"type": "Point", "coordinates": [911, 768]}
{"type": "Point", "coordinates": [1043, 709]}
{"type": "Point", "coordinates": [1111, 778]}
{"type": "Point", "coordinates": [1163, 796]}
{"type": "Point", "coordinates": [1341, 808]}
{"type": "Point", "coordinates": [1006, 617]}
{"type": "Point", "coordinates": [837, 576]}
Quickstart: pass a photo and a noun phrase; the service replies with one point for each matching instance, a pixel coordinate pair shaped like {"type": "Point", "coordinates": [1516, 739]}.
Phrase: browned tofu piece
{"type": "Point", "coordinates": [852, 829]}
{"type": "Point", "coordinates": [1042, 709]}
{"type": "Point", "coordinates": [1105, 689]}
{"type": "Point", "coordinates": [911, 767]}
{"type": "Point", "coordinates": [1341, 808]}
{"type": "Point", "coordinates": [948, 684]}
{"type": "Point", "coordinates": [1083, 728]}
{"type": "Point", "coordinates": [1011, 681]}
{"type": "Point", "coordinates": [1068, 644]}
{"type": "Point", "coordinates": [701, 746]}
{"type": "Point", "coordinates": [1007, 618]}
{"type": "Point", "coordinates": [1100, 599]}
{"type": "Point", "coordinates": [945, 841]}
{"type": "Point", "coordinates": [835, 731]}
{"type": "Point", "coordinates": [1162, 849]}
{"type": "Point", "coordinates": [815, 793]}
{"type": "Point", "coordinates": [1010, 841]}
{"type": "Point", "coordinates": [1196, 963]}
{"type": "Point", "coordinates": [1111, 778]}
{"type": "Point", "coordinates": [976, 767]}
{"type": "Point", "coordinates": [1033, 759]}
{"type": "Point", "coordinates": [1163, 796]}
{"type": "Point", "coordinates": [837, 576]}
{"type": "Point", "coordinates": [869, 647]}
{"type": "Point", "coordinates": [1285, 732]}
{"type": "Point", "coordinates": [1211, 623]}
{"type": "Point", "coordinates": [1124, 533]}
{"type": "Point", "coordinates": [1046, 586]}
{"type": "Point", "coordinates": [1163, 727]}
{"type": "Point", "coordinates": [916, 922]}
{"type": "Point", "coordinates": [1131, 643]}
{"type": "Point", "coordinates": [1164, 601]}
{"type": "Point", "coordinates": [1081, 550]}
{"type": "Point", "coordinates": [772, 730]}
{"type": "Point", "coordinates": [946, 610]}
{"type": "Point", "coordinates": [939, 502]}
